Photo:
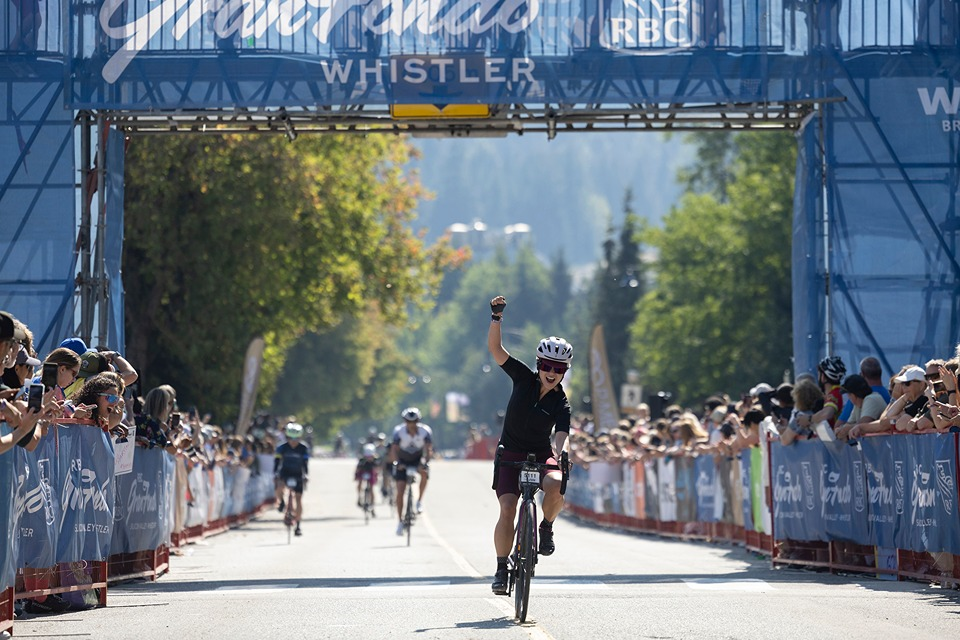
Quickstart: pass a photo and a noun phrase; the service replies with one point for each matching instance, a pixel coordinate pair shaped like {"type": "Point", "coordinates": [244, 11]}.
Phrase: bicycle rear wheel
{"type": "Point", "coordinates": [526, 558]}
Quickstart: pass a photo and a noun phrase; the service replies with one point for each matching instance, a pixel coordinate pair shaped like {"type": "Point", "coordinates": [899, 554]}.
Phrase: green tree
{"type": "Point", "coordinates": [618, 285]}
{"type": "Point", "coordinates": [719, 318]}
{"type": "Point", "coordinates": [228, 238]}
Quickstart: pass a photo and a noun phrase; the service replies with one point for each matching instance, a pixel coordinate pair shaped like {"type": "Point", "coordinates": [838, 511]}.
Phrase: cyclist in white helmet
{"type": "Point", "coordinates": [412, 447]}
{"type": "Point", "coordinates": [368, 465]}
{"type": "Point", "coordinates": [537, 408]}
{"type": "Point", "coordinates": [290, 464]}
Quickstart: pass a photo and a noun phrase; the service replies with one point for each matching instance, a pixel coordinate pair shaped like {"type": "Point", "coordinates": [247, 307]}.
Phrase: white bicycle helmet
{"type": "Point", "coordinates": [832, 368]}
{"type": "Point", "coordinates": [410, 413]}
{"type": "Point", "coordinates": [556, 349]}
{"type": "Point", "coordinates": [293, 430]}
{"type": "Point", "coordinates": [369, 450]}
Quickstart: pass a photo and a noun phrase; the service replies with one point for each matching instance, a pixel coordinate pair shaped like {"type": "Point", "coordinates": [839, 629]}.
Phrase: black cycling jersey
{"type": "Point", "coordinates": [291, 461]}
{"type": "Point", "coordinates": [530, 420]}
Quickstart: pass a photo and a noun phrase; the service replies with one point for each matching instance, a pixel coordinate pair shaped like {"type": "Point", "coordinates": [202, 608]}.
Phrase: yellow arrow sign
{"type": "Point", "coordinates": [410, 111]}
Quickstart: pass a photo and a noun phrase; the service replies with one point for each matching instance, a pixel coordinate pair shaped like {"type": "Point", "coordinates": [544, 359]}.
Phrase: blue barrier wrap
{"type": "Point", "coordinates": [142, 518]}
{"type": "Point", "coordinates": [37, 510]}
{"type": "Point", "coordinates": [797, 506]}
{"type": "Point", "coordinates": [843, 494]}
{"type": "Point", "coordinates": [83, 477]}
{"type": "Point", "coordinates": [8, 519]}
{"type": "Point", "coordinates": [706, 488]}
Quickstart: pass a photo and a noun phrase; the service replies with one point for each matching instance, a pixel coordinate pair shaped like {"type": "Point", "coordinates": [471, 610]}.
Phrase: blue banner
{"type": "Point", "coordinates": [932, 522]}
{"type": "Point", "coordinates": [746, 504]}
{"type": "Point", "coordinates": [843, 493]}
{"type": "Point", "coordinates": [885, 489]}
{"type": "Point", "coordinates": [8, 520]}
{"type": "Point", "coordinates": [141, 513]}
{"type": "Point", "coordinates": [686, 490]}
{"type": "Point", "coordinates": [37, 508]}
{"type": "Point", "coordinates": [84, 481]}
{"type": "Point", "coordinates": [795, 477]}
{"type": "Point", "coordinates": [706, 488]}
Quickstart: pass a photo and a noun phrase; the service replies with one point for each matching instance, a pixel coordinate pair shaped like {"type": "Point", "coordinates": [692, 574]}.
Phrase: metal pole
{"type": "Point", "coordinates": [825, 200]}
{"type": "Point", "coordinates": [83, 234]}
{"type": "Point", "coordinates": [101, 270]}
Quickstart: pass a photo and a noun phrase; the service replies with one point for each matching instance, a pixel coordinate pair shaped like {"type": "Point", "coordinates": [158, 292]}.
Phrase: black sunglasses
{"type": "Point", "coordinates": [551, 368]}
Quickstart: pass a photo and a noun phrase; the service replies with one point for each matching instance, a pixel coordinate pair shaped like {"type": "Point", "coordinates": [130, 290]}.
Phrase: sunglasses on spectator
{"type": "Point", "coordinates": [112, 398]}
{"type": "Point", "coordinates": [551, 367]}
{"type": "Point", "coordinates": [932, 376]}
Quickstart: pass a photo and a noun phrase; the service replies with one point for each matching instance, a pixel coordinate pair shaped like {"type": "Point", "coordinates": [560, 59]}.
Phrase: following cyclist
{"type": "Point", "coordinates": [290, 470]}
{"type": "Point", "coordinates": [537, 407]}
{"type": "Point", "coordinates": [412, 447]}
{"type": "Point", "coordinates": [367, 465]}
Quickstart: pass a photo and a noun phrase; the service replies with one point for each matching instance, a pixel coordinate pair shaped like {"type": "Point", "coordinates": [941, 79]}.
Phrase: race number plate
{"type": "Point", "coordinates": [529, 477]}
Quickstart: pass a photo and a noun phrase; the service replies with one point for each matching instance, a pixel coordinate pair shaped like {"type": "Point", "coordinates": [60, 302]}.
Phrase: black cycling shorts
{"type": "Point", "coordinates": [294, 482]}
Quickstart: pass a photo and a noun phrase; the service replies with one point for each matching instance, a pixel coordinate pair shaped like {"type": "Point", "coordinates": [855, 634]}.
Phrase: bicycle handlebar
{"type": "Point", "coordinates": [563, 467]}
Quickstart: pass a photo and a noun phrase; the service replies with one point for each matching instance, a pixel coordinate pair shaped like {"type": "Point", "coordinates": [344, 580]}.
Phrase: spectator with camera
{"type": "Point", "coordinates": [807, 397]}
{"type": "Point", "coordinates": [830, 372]}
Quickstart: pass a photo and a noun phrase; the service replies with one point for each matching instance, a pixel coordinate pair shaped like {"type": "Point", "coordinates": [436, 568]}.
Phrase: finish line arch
{"type": "Point", "coordinates": [868, 88]}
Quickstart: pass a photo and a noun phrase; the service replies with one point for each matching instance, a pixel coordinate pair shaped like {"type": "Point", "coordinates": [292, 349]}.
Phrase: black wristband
{"type": "Point", "coordinates": [495, 317]}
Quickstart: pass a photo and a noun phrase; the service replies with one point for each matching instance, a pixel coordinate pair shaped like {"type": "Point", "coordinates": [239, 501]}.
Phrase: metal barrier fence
{"type": "Point", "coordinates": [887, 507]}
{"type": "Point", "coordinates": [80, 523]}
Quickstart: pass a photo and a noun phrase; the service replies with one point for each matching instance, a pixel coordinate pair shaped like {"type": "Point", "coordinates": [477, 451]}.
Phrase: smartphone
{"type": "Point", "coordinates": [50, 374]}
{"type": "Point", "coordinates": [939, 387]}
{"type": "Point", "coordinates": [174, 420]}
{"type": "Point", "coordinates": [35, 397]}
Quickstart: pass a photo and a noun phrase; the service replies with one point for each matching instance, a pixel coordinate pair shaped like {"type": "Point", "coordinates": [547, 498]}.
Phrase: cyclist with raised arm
{"type": "Point", "coordinates": [537, 407]}
{"type": "Point", "coordinates": [290, 470]}
{"type": "Point", "coordinates": [412, 447]}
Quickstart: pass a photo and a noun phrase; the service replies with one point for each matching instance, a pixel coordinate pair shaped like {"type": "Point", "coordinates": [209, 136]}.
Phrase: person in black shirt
{"type": "Point", "coordinates": [290, 470]}
{"type": "Point", "coordinates": [537, 408]}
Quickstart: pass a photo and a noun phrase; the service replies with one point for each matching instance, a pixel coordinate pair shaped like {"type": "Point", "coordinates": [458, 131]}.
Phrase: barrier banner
{"type": "Point", "coordinates": [706, 488]}
{"type": "Point", "coordinates": [686, 489]}
{"type": "Point", "coordinates": [724, 503]}
{"type": "Point", "coordinates": [140, 515]}
{"type": "Point", "coordinates": [843, 493]}
{"type": "Point", "coordinates": [197, 497]}
{"type": "Point", "coordinates": [757, 496]}
{"type": "Point", "coordinates": [651, 488]}
{"type": "Point", "coordinates": [885, 489]}
{"type": "Point", "coordinates": [640, 489]}
{"type": "Point", "coordinates": [667, 489]}
{"type": "Point", "coordinates": [627, 493]}
{"type": "Point", "coordinates": [8, 518]}
{"type": "Point", "coordinates": [36, 510]}
{"type": "Point", "coordinates": [931, 511]}
{"type": "Point", "coordinates": [797, 510]}
{"type": "Point", "coordinates": [85, 484]}
{"type": "Point", "coordinates": [746, 506]}
{"type": "Point", "coordinates": [578, 492]}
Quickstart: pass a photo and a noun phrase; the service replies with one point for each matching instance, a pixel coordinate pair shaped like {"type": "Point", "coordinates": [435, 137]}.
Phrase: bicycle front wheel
{"type": "Point", "coordinates": [408, 518]}
{"type": "Point", "coordinates": [526, 558]}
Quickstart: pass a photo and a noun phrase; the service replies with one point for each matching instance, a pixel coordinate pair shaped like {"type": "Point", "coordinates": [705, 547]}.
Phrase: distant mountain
{"type": "Point", "coordinates": [567, 189]}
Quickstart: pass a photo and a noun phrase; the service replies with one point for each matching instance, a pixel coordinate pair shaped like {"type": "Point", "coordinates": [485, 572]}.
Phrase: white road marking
{"type": "Point", "coordinates": [259, 588]}
{"type": "Point", "coordinates": [407, 586]}
{"type": "Point", "coordinates": [721, 584]}
{"type": "Point", "coordinates": [563, 583]}
{"type": "Point", "coordinates": [505, 606]}
{"type": "Point", "coordinates": [465, 566]}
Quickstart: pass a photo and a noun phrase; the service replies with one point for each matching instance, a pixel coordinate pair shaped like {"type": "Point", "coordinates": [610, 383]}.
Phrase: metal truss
{"type": "Point", "coordinates": [503, 120]}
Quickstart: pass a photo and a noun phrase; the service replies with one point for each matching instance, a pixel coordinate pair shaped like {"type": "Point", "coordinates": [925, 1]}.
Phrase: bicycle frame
{"type": "Point", "coordinates": [522, 561]}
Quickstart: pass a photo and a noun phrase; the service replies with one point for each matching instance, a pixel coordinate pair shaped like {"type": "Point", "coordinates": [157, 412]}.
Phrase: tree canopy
{"type": "Point", "coordinates": [229, 238]}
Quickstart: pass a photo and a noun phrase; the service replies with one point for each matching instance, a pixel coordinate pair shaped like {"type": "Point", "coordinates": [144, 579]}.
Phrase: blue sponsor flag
{"type": "Point", "coordinates": [795, 479]}
{"type": "Point", "coordinates": [706, 488]}
{"type": "Point", "coordinates": [85, 482]}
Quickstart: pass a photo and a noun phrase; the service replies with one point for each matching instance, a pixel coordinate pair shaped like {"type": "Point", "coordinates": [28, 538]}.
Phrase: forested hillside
{"type": "Point", "coordinates": [567, 189]}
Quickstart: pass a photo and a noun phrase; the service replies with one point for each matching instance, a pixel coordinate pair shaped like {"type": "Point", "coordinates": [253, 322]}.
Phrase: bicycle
{"type": "Point", "coordinates": [367, 492]}
{"type": "Point", "coordinates": [288, 512]}
{"type": "Point", "coordinates": [523, 560]}
{"type": "Point", "coordinates": [410, 511]}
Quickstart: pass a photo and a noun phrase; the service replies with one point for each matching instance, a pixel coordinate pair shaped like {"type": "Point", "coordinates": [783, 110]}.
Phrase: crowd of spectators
{"type": "Point", "coordinates": [95, 388]}
{"type": "Point", "coordinates": [829, 405]}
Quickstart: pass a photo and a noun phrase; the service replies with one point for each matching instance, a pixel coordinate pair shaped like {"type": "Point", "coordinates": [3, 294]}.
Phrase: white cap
{"type": "Point", "coordinates": [763, 387]}
{"type": "Point", "coordinates": [911, 374]}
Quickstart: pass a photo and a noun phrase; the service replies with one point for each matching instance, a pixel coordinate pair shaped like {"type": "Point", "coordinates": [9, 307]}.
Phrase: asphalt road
{"type": "Point", "coordinates": [344, 579]}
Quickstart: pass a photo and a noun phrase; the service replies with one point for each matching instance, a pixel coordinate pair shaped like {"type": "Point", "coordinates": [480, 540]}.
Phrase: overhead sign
{"type": "Point", "coordinates": [412, 111]}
